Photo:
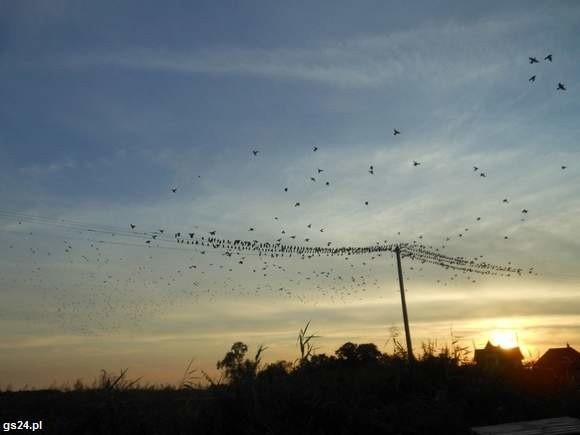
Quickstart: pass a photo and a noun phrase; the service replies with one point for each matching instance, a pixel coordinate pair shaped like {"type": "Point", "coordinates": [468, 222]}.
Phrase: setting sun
{"type": "Point", "coordinates": [506, 339]}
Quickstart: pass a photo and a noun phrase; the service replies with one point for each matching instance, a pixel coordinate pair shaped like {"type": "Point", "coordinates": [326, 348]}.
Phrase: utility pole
{"type": "Point", "coordinates": [410, 356]}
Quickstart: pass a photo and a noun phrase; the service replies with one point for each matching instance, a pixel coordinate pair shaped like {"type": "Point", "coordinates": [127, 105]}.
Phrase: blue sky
{"type": "Point", "coordinates": [106, 106]}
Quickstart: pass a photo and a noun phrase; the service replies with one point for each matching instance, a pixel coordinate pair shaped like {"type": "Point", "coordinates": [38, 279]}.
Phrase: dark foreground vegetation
{"type": "Point", "coordinates": [358, 390]}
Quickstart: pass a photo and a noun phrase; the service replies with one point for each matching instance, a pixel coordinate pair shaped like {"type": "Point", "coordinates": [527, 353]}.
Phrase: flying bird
{"type": "Point", "coordinates": [416, 163]}
{"type": "Point", "coordinates": [475, 168]}
{"type": "Point", "coordinates": [174, 189]}
{"type": "Point", "coordinates": [132, 226]}
{"type": "Point", "coordinates": [320, 170]}
{"type": "Point", "coordinates": [313, 179]}
{"type": "Point", "coordinates": [563, 167]}
{"type": "Point", "coordinates": [315, 149]}
{"type": "Point", "coordinates": [525, 211]}
{"type": "Point", "coordinates": [255, 152]}
{"type": "Point", "coordinates": [297, 204]}
{"type": "Point", "coordinates": [532, 79]}
{"type": "Point", "coordinates": [483, 175]}
{"type": "Point", "coordinates": [396, 132]}
{"type": "Point", "coordinates": [548, 57]}
{"type": "Point", "coordinates": [533, 60]}
{"type": "Point", "coordinates": [561, 87]}
{"type": "Point", "coordinates": [212, 233]}
{"type": "Point", "coordinates": [505, 200]}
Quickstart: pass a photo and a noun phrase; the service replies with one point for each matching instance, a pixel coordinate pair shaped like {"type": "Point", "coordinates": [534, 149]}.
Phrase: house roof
{"type": "Point", "coordinates": [490, 349]}
{"type": "Point", "coordinates": [558, 356]}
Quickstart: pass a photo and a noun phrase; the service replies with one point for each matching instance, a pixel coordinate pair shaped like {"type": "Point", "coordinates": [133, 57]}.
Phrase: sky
{"type": "Point", "coordinates": [108, 106]}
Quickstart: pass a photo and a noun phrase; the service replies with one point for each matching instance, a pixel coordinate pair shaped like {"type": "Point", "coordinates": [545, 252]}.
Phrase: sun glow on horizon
{"type": "Point", "coordinates": [506, 339]}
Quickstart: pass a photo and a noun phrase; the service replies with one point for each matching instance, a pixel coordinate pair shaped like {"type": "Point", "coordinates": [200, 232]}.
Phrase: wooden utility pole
{"type": "Point", "coordinates": [410, 355]}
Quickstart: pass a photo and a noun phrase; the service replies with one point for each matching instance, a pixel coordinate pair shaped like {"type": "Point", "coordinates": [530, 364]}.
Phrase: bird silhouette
{"type": "Point", "coordinates": [561, 87]}
{"type": "Point", "coordinates": [533, 60]}
{"type": "Point", "coordinates": [251, 229]}
{"type": "Point", "coordinates": [505, 201]}
{"type": "Point", "coordinates": [309, 226]}
{"type": "Point", "coordinates": [315, 149]}
{"type": "Point", "coordinates": [416, 163]}
{"type": "Point", "coordinates": [396, 132]}
{"type": "Point", "coordinates": [525, 211]}
{"type": "Point", "coordinates": [563, 167]}
{"type": "Point", "coordinates": [285, 189]}
{"type": "Point", "coordinates": [313, 179]}
{"type": "Point", "coordinates": [174, 189]}
{"type": "Point", "coordinates": [320, 170]}
{"type": "Point", "coordinates": [255, 152]}
{"type": "Point", "coordinates": [548, 57]}
{"type": "Point", "coordinates": [483, 175]}
{"type": "Point", "coordinates": [132, 226]}
{"type": "Point", "coordinates": [297, 204]}
{"type": "Point", "coordinates": [532, 79]}
{"type": "Point", "coordinates": [212, 233]}
{"type": "Point", "coordinates": [475, 168]}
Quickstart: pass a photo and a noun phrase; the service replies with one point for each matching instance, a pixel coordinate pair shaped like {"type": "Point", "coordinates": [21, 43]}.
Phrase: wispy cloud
{"type": "Point", "coordinates": [464, 53]}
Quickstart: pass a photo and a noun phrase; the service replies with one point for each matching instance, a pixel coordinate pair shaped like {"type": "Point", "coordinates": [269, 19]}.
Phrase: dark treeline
{"type": "Point", "coordinates": [357, 390]}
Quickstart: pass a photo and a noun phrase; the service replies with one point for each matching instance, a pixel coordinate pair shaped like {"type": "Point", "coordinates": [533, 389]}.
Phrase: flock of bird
{"type": "Point", "coordinates": [204, 264]}
{"type": "Point", "coordinates": [548, 58]}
